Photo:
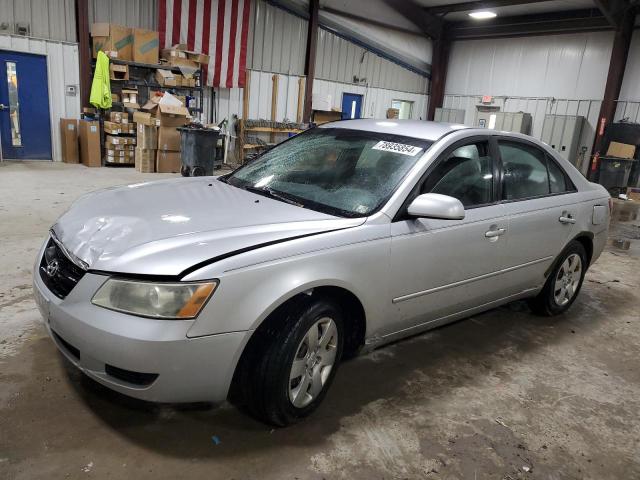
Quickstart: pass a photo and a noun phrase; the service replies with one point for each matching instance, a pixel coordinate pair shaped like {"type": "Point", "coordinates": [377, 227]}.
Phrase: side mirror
{"type": "Point", "coordinates": [434, 205]}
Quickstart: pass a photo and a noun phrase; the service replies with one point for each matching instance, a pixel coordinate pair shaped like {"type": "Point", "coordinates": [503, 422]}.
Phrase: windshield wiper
{"type": "Point", "coordinates": [267, 192]}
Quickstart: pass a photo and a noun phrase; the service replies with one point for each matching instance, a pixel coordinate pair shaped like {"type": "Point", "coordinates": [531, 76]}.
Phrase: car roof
{"type": "Point", "coordinates": [410, 128]}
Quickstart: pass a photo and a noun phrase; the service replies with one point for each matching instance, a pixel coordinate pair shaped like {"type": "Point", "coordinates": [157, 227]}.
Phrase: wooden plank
{"type": "Point", "coordinates": [274, 100]}
{"type": "Point", "coordinates": [245, 96]}
{"type": "Point", "coordinates": [301, 82]}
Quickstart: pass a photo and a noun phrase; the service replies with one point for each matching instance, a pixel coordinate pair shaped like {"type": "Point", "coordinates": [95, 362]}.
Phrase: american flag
{"type": "Point", "coordinates": [217, 28]}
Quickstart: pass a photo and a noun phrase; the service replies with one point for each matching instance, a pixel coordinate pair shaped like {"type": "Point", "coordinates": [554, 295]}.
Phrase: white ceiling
{"type": "Point", "coordinates": [514, 10]}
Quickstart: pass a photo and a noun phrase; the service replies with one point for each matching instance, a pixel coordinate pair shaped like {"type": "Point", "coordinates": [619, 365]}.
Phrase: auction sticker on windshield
{"type": "Point", "coordinates": [397, 148]}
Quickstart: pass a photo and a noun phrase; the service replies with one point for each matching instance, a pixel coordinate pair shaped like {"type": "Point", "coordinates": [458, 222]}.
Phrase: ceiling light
{"type": "Point", "coordinates": [482, 15]}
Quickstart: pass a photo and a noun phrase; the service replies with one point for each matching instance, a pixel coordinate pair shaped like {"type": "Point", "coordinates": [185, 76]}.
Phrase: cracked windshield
{"type": "Point", "coordinates": [338, 171]}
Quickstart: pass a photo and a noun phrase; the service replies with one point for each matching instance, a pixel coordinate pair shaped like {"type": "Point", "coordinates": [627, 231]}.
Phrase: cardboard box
{"type": "Point", "coordinates": [115, 97]}
{"type": "Point", "coordinates": [633, 193]}
{"type": "Point", "coordinates": [147, 136]}
{"type": "Point", "coordinates": [112, 127]}
{"type": "Point", "coordinates": [146, 46]}
{"type": "Point", "coordinates": [120, 140]}
{"type": "Point", "coordinates": [621, 150]}
{"type": "Point", "coordinates": [119, 153]}
{"type": "Point", "coordinates": [145, 160]}
{"type": "Point", "coordinates": [145, 118]}
{"type": "Point", "coordinates": [89, 135]}
{"type": "Point", "coordinates": [118, 146]}
{"type": "Point", "coordinates": [168, 139]}
{"type": "Point", "coordinates": [198, 57]}
{"type": "Point", "coordinates": [324, 117]}
{"type": "Point", "coordinates": [393, 113]}
{"type": "Point", "coordinates": [117, 40]}
{"type": "Point", "coordinates": [119, 117]}
{"type": "Point", "coordinates": [69, 140]}
{"type": "Point", "coordinates": [168, 162]}
{"type": "Point", "coordinates": [130, 97]}
{"type": "Point", "coordinates": [173, 115]}
{"type": "Point", "coordinates": [118, 72]}
{"type": "Point", "coordinates": [166, 78]}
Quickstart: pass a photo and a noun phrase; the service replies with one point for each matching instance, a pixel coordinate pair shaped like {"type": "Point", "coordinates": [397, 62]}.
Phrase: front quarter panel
{"type": "Point", "coordinates": [254, 284]}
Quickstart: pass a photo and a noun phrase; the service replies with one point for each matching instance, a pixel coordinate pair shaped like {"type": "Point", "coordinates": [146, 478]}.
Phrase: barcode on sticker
{"type": "Point", "coordinates": [397, 148]}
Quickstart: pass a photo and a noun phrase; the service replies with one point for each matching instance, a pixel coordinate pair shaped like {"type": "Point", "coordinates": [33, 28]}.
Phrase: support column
{"type": "Point", "coordinates": [439, 66]}
{"type": "Point", "coordinates": [310, 58]}
{"type": "Point", "coordinates": [617, 67]}
{"type": "Point", "coordinates": [84, 50]}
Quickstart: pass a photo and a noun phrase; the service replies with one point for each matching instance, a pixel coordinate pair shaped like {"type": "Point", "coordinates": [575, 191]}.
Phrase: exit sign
{"type": "Point", "coordinates": [487, 99]}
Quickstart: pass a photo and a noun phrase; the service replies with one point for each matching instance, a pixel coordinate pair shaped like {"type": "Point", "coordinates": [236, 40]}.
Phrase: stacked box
{"type": "Point", "coordinates": [119, 142]}
{"type": "Point", "coordinates": [145, 160]}
{"type": "Point", "coordinates": [147, 144]}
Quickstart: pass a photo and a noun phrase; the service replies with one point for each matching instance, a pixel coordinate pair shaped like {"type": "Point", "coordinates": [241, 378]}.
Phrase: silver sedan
{"type": "Point", "coordinates": [254, 285]}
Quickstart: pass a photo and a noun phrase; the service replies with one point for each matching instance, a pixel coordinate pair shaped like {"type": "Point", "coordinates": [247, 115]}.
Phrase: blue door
{"type": "Point", "coordinates": [25, 126]}
{"type": "Point", "coordinates": [351, 106]}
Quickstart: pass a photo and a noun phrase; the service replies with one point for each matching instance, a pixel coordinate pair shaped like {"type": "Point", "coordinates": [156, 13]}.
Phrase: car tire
{"type": "Point", "coordinates": [269, 381]}
{"type": "Point", "coordinates": [564, 282]}
{"type": "Point", "coordinates": [185, 171]}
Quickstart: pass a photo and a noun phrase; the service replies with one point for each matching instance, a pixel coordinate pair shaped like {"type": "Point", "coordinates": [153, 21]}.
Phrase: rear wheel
{"type": "Point", "coordinates": [564, 282]}
{"type": "Point", "coordinates": [185, 171]}
{"type": "Point", "coordinates": [293, 363]}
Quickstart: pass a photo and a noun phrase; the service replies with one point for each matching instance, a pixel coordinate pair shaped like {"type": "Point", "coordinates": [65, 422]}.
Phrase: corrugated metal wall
{"type": "Point", "coordinates": [376, 101]}
{"type": "Point", "coordinates": [277, 43]}
{"type": "Point", "coordinates": [558, 74]}
{"type": "Point", "coordinates": [52, 19]}
{"type": "Point", "coordinates": [538, 107]}
{"type": "Point", "coordinates": [631, 84]}
{"type": "Point", "coordinates": [277, 40]}
{"type": "Point", "coordinates": [562, 66]}
{"type": "Point", "coordinates": [340, 60]}
{"type": "Point", "coordinates": [131, 13]}
{"type": "Point", "coordinates": [62, 70]}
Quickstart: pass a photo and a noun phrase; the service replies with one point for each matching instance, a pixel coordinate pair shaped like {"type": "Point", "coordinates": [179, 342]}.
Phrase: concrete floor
{"type": "Point", "coordinates": [502, 395]}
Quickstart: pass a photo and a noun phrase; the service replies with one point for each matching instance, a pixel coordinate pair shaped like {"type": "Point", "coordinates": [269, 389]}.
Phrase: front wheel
{"type": "Point", "coordinates": [564, 282]}
{"type": "Point", "coordinates": [288, 376]}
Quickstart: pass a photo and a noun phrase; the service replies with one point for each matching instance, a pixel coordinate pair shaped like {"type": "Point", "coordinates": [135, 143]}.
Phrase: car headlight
{"type": "Point", "coordinates": [153, 299]}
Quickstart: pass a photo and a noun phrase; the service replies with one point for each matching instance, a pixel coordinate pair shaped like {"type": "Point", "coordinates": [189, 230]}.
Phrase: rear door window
{"type": "Point", "coordinates": [524, 171]}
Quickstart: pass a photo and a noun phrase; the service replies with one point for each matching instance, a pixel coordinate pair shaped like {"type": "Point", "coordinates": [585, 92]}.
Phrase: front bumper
{"type": "Point", "coordinates": [104, 344]}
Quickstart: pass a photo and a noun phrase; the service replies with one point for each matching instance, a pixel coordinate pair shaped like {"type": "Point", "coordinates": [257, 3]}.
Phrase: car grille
{"type": "Point", "coordinates": [57, 272]}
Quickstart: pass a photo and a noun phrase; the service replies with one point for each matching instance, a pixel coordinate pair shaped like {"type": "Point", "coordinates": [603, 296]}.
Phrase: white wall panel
{"type": "Point", "coordinates": [131, 13]}
{"type": "Point", "coordinates": [277, 40]}
{"type": "Point", "coordinates": [50, 19]}
{"type": "Point", "coordinates": [62, 70]}
{"type": "Point", "coordinates": [563, 66]}
{"type": "Point", "coordinates": [631, 83]}
{"type": "Point", "coordinates": [376, 101]}
{"type": "Point", "coordinates": [339, 60]}
{"type": "Point", "coordinates": [559, 74]}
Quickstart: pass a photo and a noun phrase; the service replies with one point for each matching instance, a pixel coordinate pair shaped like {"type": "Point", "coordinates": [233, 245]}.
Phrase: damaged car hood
{"type": "Point", "coordinates": [166, 227]}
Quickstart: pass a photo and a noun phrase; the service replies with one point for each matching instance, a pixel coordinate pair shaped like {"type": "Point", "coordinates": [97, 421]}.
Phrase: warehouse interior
{"type": "Point", "coordinates": [103, 93]}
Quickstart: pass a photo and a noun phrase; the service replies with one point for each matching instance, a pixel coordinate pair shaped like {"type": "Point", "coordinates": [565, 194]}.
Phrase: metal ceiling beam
{"type": "Point", "coordinates": [613, 10]}
{"type": "Point", "coordinates": [361, 18]}
{"type": "Point", "coordinates": [540, 24]}
{"type": "Point", "coordinates": [477, 5]}
{"type": "Point", "coordinates": [428, 23]}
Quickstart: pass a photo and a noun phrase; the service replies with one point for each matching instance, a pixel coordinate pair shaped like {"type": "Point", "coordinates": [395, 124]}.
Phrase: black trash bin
{"type": "Point", "coordinates": [198, 151]}
{"type": "Point", "coordinates": [614, 172]}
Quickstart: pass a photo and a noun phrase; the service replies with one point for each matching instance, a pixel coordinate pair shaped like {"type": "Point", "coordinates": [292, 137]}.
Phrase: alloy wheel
{"type": "Point", "coordinates": [313, 361]}
{"type": "Point", "coordinates": [567, 279]}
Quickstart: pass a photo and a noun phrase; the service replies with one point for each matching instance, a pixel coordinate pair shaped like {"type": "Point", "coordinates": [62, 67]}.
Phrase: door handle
{"type": "Point", "coordinates": [3, 106]}
{"type": "Point", "coordinates": [566, 218]}
{"type": "Point", "coordinates": [494, 232]}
